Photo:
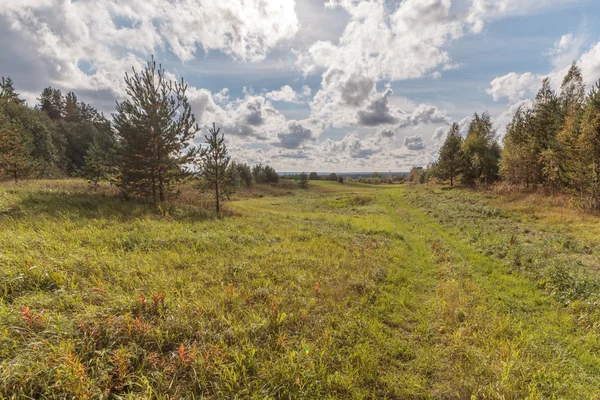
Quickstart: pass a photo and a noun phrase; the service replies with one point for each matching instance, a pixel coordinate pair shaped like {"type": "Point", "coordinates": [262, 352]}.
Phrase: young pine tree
{"type": "Point", "coordinates": [451, 158]}
{"type": "Point", "coordinates": [155, 127]}
{"type": "Point", "coordinates": [214, 163]}
{"type": "Point", "coordinates": [8, 92]}
{"type": "Point", "coordinates": [15, 161]}
{"type": "Point", "coordinates": [98, 166]}
{"type": "Point", "coordinates": [303, 180]}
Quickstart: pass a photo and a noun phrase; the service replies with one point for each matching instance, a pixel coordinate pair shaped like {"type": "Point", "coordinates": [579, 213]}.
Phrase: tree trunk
{"type": "Point", "coordinates": [217, 197]}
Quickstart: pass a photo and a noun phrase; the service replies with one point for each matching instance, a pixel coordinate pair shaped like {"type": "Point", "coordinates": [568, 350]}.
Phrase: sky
{"type": "Point", "coordinates": [310, 85]}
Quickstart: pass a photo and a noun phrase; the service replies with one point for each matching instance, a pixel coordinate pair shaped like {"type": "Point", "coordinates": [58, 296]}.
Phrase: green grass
{"type": "Point", "coordinates": [337, 291]}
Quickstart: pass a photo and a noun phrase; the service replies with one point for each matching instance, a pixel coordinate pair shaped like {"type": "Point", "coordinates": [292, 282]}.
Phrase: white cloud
{"type": "Point", "coordinates": [108, 37]}
{"type": "Point", "coordinates": [516, 87]}
{"type": "Point", "coordinates": [414, 143]}
{"type": "Point", "coordinates": [565, 50]}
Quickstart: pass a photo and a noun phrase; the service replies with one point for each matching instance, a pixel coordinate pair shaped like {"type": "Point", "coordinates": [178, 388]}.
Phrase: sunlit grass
{"type": "Point", "coordinates": [336, 291]}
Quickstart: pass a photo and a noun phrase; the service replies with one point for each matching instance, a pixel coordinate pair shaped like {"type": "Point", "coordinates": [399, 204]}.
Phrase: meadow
{"type": "Point", "coordinates": [338, 291]}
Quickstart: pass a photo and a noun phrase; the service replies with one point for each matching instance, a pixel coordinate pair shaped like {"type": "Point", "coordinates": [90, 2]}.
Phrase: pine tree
{"type": "Point", "coordinates": [245, 173]}
{"type": "Point", "coordinates": [71, 108]}
{"type": "Point", "coordinates": [303, 180]}
{"type": "Point", "coordinates": [451, 158]}
{"type": "Point", "coordinates": [52, 103]}
{"type": "Point", "coordinates": [214, 163]}
{"type": "Point", "coordinates": [587, 176]}
{"type": "Point", "coordinates": [481, 151]}
{"type": "Point", "coordinates": [98, 166]}
{"type": "Point", "coordinates": [8, 92]}
{"type": "Point", "coordinates": [155, 127]}
{"type": "Point", "coordinates": [517, 156]}
{"type": "Point", "coordinates": [546, 124]}
{"type": "Point", "coordinates": [560, 161]}
{"type": "Point", "coordinates": [15, 160]}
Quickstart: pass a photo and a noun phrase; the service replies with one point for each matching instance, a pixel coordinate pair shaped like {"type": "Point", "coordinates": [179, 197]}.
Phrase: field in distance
{"type": "Point", "coordinates": [338, 291]}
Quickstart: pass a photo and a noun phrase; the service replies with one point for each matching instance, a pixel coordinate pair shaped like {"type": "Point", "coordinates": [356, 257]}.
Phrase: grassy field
{"type": "Point", "coordinates": [339, 291]}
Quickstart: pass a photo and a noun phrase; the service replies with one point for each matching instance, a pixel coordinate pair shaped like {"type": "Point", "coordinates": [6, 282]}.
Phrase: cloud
{"type": "Point", "coordinates": [88, 45]}
{"type": "Point", "coordinates": [423, 114]}
{"type": "Point", "coordinates": [296, 136]}
{"type": "Point", "coordinates": [440, 134]}
{"type": "Point", "coordinates": [514, 86]}
{"type": "Point", "coordinates": [483, 11]}
{"type": "Point", "coordinates": [286, 94]}
{"type": "Point", "coordinates": [378, 112]}
{"type": "Point", "coordinates": [414, 143]}
{"type": "Point", "coordinates": [386, 133]}
{"type": "Point", "coordinates": [517, 87]}
{"type": "Point", "coordinates": [565, 50]}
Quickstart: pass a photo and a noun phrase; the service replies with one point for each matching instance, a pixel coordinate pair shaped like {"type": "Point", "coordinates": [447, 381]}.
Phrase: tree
{"type": "Point", "coordinates": [587, 175]}
{"type": "Point", "coordinates": [271, 175]}
{"type": "Point", "coordinates": [8, 92]}
{"type": "Point", "coordinates": [215, 168]}
{"type": "Point", "coordinates": [303, 180]}
{"type": "Point", "coordinates": [15, 160]}
{"type": "Point", "coordinates": [332, 177]}
{"type": "Point", "coordinates": [52, 103]}
{"type": "Point", "coordinates": [264, 174]}
{"type": "Point", "coordinates": [481, 151]}
{"type": "Point", "coordinates": [451, 157]}
{"type": "Point", "coordinates": [416, 175]}
{"type": "Point", "coordinates": [98, 166]}
{"type": "Point", "coordinates": [71, 108]}
{"type": "Point", "coordinates": [155, 127]}
{"type": "Point", "coordinates": [313, 176]}
{"type": "Point", "coordinates": [559, 161]}
{"type": "Point", "coordinates": [244, 173]}
{"type": "Point", "coordinates": [518, 159]}
{"type": "Point", "coordinates": [572, 91]}
{"type": "Point", "coordinates": [340, 179]}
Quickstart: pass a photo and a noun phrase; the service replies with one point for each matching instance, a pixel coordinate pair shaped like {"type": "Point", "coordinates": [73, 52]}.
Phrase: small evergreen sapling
{"type": "Point", "coordinates": [216, 171]}
{"type": "Point", "coordinates": [98, 166]}
{"type": "Point", "coordinates": [303, 180]}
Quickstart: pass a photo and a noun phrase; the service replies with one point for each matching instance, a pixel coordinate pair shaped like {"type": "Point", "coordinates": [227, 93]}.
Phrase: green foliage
{"type": "Point", "coordinates": [244, 172]}
{"type": "Point", "coordinates": [155, 127]}
{"type": "Point", "coordinates": [8, 92]}
{"type": "Point", "coordinates": [303, 180]}
{"type": "Point", "coordinates": [217, 173]}
{"type": "Point", "coordinates": [264, 174]}
{"type": "Point", "coordinates": [416, 175]}
{"type": "Point", "coordinates": [451, 158]}
{"type": "Point", "coordinates": [587, 175]}
{"type": "Point", "coordinates": [15, 161]}
{"type": "Point", "coordinates": [340, 179]}
{"type": "Point", "coordinates": [313, 176]}
{"type": "Point", "coordinates": [481, 152]}
{"type": "Point", "coordinates": [342, 291]}
{"type": "Point", "coordinates": [331, 177]}
{"type": "Point", "coordinates": [98, 166]}
{"type": "Point", "coordinates": [52, 103]}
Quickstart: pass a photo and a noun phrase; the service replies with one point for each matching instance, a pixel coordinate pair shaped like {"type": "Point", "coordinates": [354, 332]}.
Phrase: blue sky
{"type": "Point", "coordinates": [335, 85]}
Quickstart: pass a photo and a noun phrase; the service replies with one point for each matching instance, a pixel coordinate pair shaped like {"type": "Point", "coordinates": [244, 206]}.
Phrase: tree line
{"type": "Point", "coordinates": [146, 151]}
{"type": "Point", "coordinates": [553, 144]}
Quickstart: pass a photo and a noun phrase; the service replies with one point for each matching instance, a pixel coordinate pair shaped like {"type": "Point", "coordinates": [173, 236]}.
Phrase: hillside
{"type": "Point", "coordinates": [338, 291]}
